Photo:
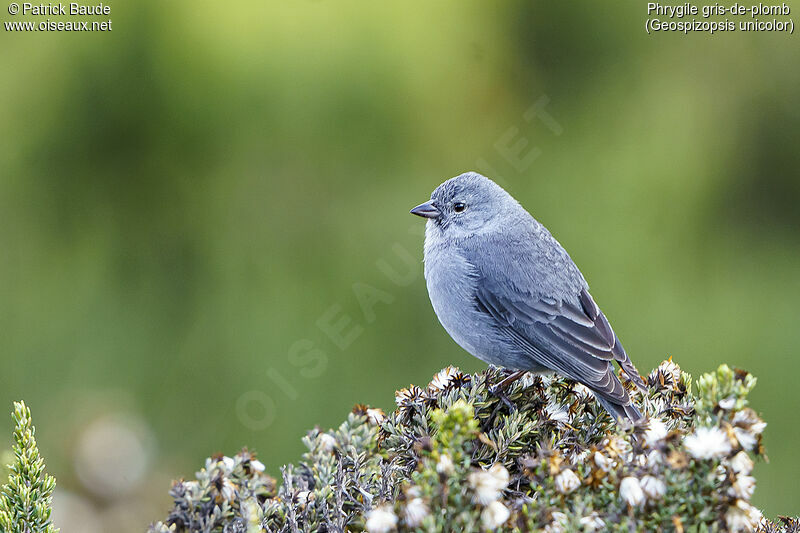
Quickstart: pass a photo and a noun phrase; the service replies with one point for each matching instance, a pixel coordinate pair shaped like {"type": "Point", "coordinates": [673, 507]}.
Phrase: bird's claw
{"type": "Point", "coordinates": [498, 392]}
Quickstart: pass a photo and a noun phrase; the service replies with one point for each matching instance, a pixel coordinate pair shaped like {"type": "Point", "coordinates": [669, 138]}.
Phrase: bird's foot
{"type": "Point", "coordinates": [500, 394]}
{"type": "Point", "coordinates": [508, 380]}
{"type": "Point", "coordinates": [498, 390]}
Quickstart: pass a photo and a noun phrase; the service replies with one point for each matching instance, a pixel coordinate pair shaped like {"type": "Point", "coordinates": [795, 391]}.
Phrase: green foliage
{"type": "Point", "coordinates": [546, 457]}
{"type": "Point", "coordinates": [26, 500]}
{"type": "Point", "coordinates": [724, 385]}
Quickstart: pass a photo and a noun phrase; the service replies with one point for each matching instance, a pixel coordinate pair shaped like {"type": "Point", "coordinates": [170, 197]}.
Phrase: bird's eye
{"type": "Point", "coordinates": [459, 207]}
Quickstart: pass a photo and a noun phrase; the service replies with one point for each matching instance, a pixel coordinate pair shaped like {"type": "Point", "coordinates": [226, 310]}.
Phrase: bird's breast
{"type": "Point", "coordinates": [452, 285]}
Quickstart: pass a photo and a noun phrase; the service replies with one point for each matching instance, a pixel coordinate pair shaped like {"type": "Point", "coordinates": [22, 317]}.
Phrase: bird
{"type": "Point", "coordinates": [509, 294]}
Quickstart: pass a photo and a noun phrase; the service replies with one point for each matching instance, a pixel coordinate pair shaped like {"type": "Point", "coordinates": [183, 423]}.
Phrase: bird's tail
{"type": "Point", "coordinates": [617, 411]}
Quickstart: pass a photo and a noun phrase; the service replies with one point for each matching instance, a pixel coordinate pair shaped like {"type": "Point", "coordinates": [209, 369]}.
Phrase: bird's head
{"type": "Point", "coordinates": [467, 204]}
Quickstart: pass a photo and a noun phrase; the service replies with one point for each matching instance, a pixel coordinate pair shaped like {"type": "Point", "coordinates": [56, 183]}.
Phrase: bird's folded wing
{"type": "Point", "coordinates": [576, 341]}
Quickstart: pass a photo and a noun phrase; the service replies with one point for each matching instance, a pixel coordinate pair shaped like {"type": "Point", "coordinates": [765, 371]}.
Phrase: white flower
{"type": "Point", "coordinates": [631, 491]}
{"type": "Point", "coordinates": [488, 484]}
{"type": "Point", "coordinates": [582, 391]}
{"type": "Point", "coordinates": [409, 396]}
{"type": "Point", "coordinates": [670, 369]}
{"type": "Point", "coordinates": [327, 442]}
{"type": "Point", "coordinates": [303, 497]}
{"type": "Point", "coordinates": [567, 481]}
{"type": "Point", "coordinates": [592, 523]}
{"type": "Point", "coordinates": [603, 463]}
{"type": "Point", "coordinates": [747, 426]}
{"type": "Point", "coordinates": [445, 465]}
{"type": "Point", "coordinates": [741, 463]}
{"type": "Point", "coordinates": [250, 510]}
{"type": "Point", "coordinates": [743, 517]}
{"type": "Point", "coordinates": [743, 487]}
{"type": "Point", "coordinates": [655, 433]}
{"type": "Point", "coordinates": [257, 465]}
{"type": "Point", "coordinates": [746, 439]}
{"type": "Point", "coordinates": [748, 419]}
{"type": "Point", "coordinates": [494, 515]}
{"type": "Point", "coordinates": [653, 487]}
{"type": "Point", "coordinates": [228, 491]}
{"type": "Point", "coordinates": [640, 460]}
{"type": "Point", "coordinates": [654, 458]}
{"type": "Point", "coordinates": [415, 512]}
{"type": "Point", "coordinates": [557, 412]}
{"type": "Point", "coordinates": [619, 447]}
{"type": "Point", "coordinates": [578, 458]}
{"type": "Point", "coordinates": [381, 520]}
{"type": "Point", "coordinates": [559, 523]}
{"type": "Point", "coordinates": [375, 416]}
{"type": "Point", "coordinates": [707, 443]}
{"type": "Point", "coordinates": [445, 379]}
{"type": "Point", "coordinates": [728, 403]}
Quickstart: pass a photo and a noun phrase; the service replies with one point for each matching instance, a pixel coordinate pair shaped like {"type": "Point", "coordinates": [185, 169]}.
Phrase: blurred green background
{"type": "Point", "coordinates": [186, 200]}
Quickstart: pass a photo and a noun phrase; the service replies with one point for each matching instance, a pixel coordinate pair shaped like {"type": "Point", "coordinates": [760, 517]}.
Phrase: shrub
{"type": "Point", "coordinates": [26, 500]}
{"type": "Point", "coordinates": [547, 457]}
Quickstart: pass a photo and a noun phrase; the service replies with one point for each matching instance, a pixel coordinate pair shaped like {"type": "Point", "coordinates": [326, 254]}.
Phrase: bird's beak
{"type": "Point", "coordinates": [426, 210]}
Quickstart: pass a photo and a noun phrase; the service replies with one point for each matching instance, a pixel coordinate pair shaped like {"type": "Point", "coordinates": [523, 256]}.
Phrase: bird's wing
{"type": "Point", "coordinates": [559, 336]}
{"type": "Point", "coordinates": [540, 301]}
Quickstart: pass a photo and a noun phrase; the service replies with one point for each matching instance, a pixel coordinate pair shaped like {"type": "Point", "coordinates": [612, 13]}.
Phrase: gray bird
{"type": "Point", "coordinates": [509, 294]}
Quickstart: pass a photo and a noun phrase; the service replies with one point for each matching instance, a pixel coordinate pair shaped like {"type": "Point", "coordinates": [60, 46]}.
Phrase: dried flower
{"type": "Point", "coordinates": [494, 515]}
{"type": "Point", "coordinates": [582, 391]}
{"type": "Point", "coordinates": [630, 490]}
{"type": "Point", "coordinates": [567, 481]}
{"type": "Point", "coordinates": [409, 396]}
{"type": "Point", "coordinates": [381, 520]}
{"type": "Point", "coordinates": [707, 443]}
{"type": "Point", "coordinates": [671, 370]}
{"type": "Point", "coordinates": [488, 485]}
{"type": "Point", "coordinates": [677, 460]}
{"type": "Point", "coordinates": [749, 420]}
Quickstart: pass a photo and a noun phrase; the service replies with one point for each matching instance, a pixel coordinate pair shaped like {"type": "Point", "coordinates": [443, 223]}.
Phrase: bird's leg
{"type": "Point", "coordinates": [511, 378]}
{"type": "Point", "coordinates": [498, 390]}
